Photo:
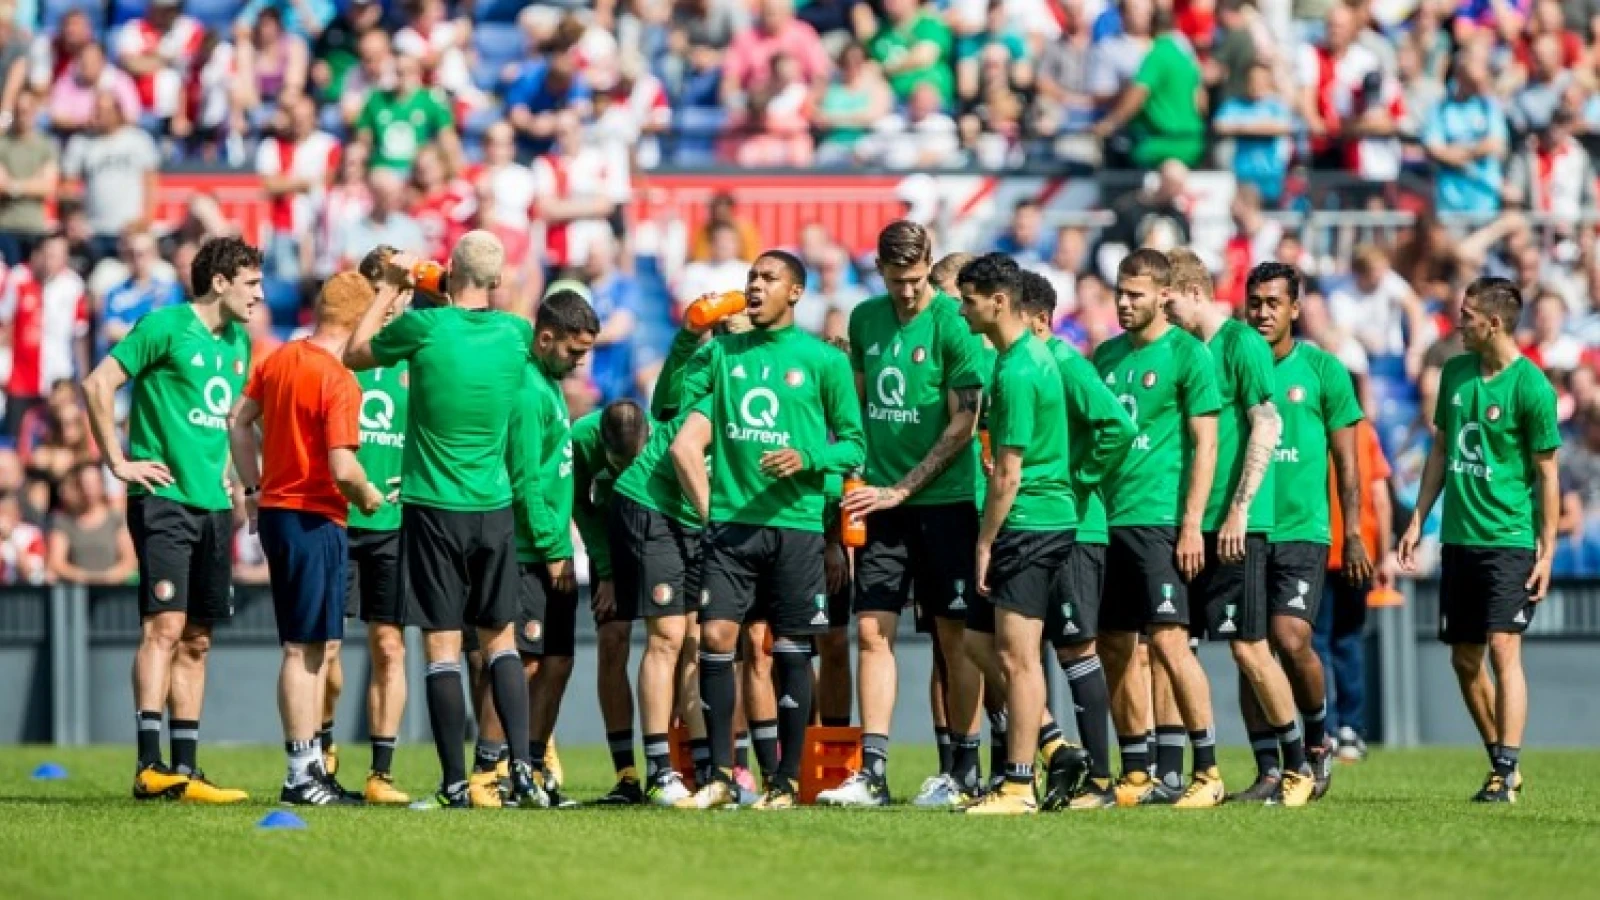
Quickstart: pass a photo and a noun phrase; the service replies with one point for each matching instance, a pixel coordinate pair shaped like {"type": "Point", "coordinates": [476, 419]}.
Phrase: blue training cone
{"type": "Point", "coordinates": [280, 820]}
{"type": "Point", "coordinates": [50, 772]}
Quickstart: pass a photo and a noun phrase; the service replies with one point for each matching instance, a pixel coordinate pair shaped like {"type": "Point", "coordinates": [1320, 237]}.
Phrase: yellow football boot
{"type": "Point", "coordinates": [1206, 790]}
{"type": "Point", "coordinates": [380, 791]}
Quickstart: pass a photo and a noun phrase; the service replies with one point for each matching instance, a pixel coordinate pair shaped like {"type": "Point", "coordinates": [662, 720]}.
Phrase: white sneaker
{"type": "Point", "coordinates": [860, 789]}
{"type": "Point", "coordinates": [939, 792]}
{"type": "Point", "coordinates": [667, 789]}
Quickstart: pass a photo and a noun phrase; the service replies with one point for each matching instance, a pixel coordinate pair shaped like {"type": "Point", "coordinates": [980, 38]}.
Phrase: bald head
{"type": "Point", "coordinates": [476, 261]}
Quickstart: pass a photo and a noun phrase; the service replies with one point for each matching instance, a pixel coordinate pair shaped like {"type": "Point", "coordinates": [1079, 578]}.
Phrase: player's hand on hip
{"type": "Point", "coordinates": [1357, 567]}
{"type": "Point", "coordinates": [864, 501]}
{"type": "Point", "coordinates": [146, 473]}
{"type": "Point", "coordinates": [1191, 552]}
{"type": "Point", "coordinates": [1231, 539]}
{"type": "Point", "coordinates": [1407, 550]}
{"type": "Point", "coordinates": [561, 575]}
{"type": "Point", "coordinates": [603, 601]}
{"type": "Point", "coordinates": [781, 463]}
{"type": "Point", "coordinates": [985, 551]}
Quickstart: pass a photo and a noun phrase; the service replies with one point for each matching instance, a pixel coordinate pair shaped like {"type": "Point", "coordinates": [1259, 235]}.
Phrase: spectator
{"type": "Point", "coordinates": [1065, 99]}
{"type": "Point", "coordinates": [523, 283]}
{"type": "Point", "coordinates": [1380, 309]}
{"type": "Point", "coordinates": [1153, 216]}
{"type": "Point", "coordinates": [545, 88]}
{"type": "Point", "coordinates": [631, 110]}
{"type": "Point", "coordinates": [263, 340]}
{"type": "Point", "coordinates": [159, 49]}
{"type": "Point", "coordinates": [699, 34]}
{"type": "Point", "coordinates": [302, 18]}
{"type": "Point", "coordinates": [1548, 345]}
{"type": "Point", "coordinates": [1238, 50]}
{"type": "Point", "coordinates": [1096, 318]}
{"type": "Point", "coordinates": [10, 470]}
{"type": "Point", "coordinates": [723, 270]}
{"type": "Point", "coordinates": [1547, 82]}
{"type": "Point", "coordinates": [1553, 172]}
{"type": "Point", "coordinates": [774, 130]}
{"type": "Point", "coordinates": [1260, 124]}
{"type": "Point", "coordinates": [23, 556]}
{"type": "Point", "coordinates": [1025, 238]}
{"type": "Point", "coordinates": [215, 103]}
{"type": "Point", "coordinates": [348, 202]}
{"type": "Point", "coordinates": [396, 123]}
{"type": "Point", "coordinates": [577, 187]}
{"type": "Point", "coordinates": [88, 543]}
{"type": "Point", "coordinates": [1465, 136]}
{"type": "Point", "coordinates": [1254, 241]}
{"type": "Point", "coordinates": [615, 297]}
{"type": "Point", "coordinates": [826, 312]}
{"type": "Point", "coordinates": [1116, 58]}
{"type": "Point", "coordinates": [1320, 329]}
{"type": "Point", "coordinates": [1069, 257]}
{"type": "Point", "coordinates": [1420, 91]}
{"type": "Point", "coordinates": [997, 40]}
{"type": "Point", "coordinates": [53, 55]}
{"type": "Point", "coordinates": [374, 71]}
{"type": "Point", "coordinates": [1504, 17]}
{"type": "Point", "coordinates": [1352, 107]}
{"type": "Point", "coordinates": [150, 285]}
{"type": "Point", "coordinates": [442, 44]}
{"type": "Point", "coordinates": [920, 138]}
{"type": "Point", "coordinates": [511, 184]}
{"type": "Point", "coordinates": [29, 175]}
{"type": "Point", "coordinates": [296, 166]}
{"type": "Point", "coordinates": [720, 211]}
{"type": "Point", "coordinates": [857, 99]}
{"type": "Point", "coordinates": [118, 164]}
{"type": "Point", "coordinates": [14, 49]}
{"type": "Point", "coordinates": [747, 65]}
{"type": "Point", "coordinates": [274, 64]}
{"type": "Point", "coordinates": [46, 324]}
{"type": "Point", "coordinates": [57, 441]}
{"type": "Point", "coordinates": [912, 47]}
{"type": "Point", "coordinates": [816, 246]}
{"type": "Point", "coordinates": [1431, 39]}
{"type": "Point", "coordinates": [385, 222]}
{"type": "Point", "coordinates": [439, 203]}
{"type": "Point", "coordinates": [334, 53]}
{"type": "Point", "coordinates": [1580, 475]}
{"type": "Point", "coordinates": [75, 96]}
{"type": "Point", "coordinates": [991, 128]}
{"type": "Point", "coordinates": [1548, 21]}
{"type": "Point", "coordinates": [1162, 104]}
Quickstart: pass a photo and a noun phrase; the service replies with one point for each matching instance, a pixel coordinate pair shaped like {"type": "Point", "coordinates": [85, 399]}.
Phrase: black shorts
{"type": "Point", "coordinates": [1142, 585]}
{"type": "Point", "coordinates": [1295, 572]}
{"type": "Point", "coordinates": [185, 559]}
{"type": "Point", "coordinates": [655, 562]}
{"type": "Point", "coordinates": [1022, 568]}
{"type": "Point", "coordinates": [921, 551]}
{"type": "Point", "coordinates": [374, 588]}
{"type": "Point", "coordinates": [1074, 615]}
{"type": "Point", "coordinates": [547, 623]}
{"type": "Point", "coordinates": [1483, 590]}
{"type": "Point", "coordinates": [1233, 596]}
{"type": "Point", "coordinates": [307, 555]}
{"type": "Point", "coordinates": [461, 568]}
{"type": "Point", "coordinates": [762, 573]}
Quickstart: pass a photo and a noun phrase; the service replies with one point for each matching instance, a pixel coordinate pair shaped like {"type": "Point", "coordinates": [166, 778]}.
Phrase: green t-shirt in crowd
{"type": "Point", "coordinates": [539, 457]}
{"type": "Point", "coordinates": [891, 43]}
{"type": "Point", "coordinates": [908, 371]}
{"type": "Point", "coordinates": [185, 379]}
{"type": "Point", "coordinates": [1161, 385]}
{"type": "Point", "coordinates": [1101, 432]}
{"type": "Point", "coordinates": [385, 396]}
{"type": "Point", "coordinates": [401, 126]}
{"type": "Point", "coordinates": [1315, 398]}
{"type": "Point", "coordinates": [1030, 414]}
{"type": "Point", "coordinates": [1170, 125]}
{"type": "Point", "coordinates": [464, 366]}
{"type": "Point", "coordinates": [1243, 362]}
{"type": "Point", "coordinates": [1492, 429]}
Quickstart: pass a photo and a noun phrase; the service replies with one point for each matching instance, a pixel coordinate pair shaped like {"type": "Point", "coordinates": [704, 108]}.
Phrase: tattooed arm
{"type": "Point", "coordinates": [953, 441]}
{"type": "Point", "coordinates": [1266, 426]}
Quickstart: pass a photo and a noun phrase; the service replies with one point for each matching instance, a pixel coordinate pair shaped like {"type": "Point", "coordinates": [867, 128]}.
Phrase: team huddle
{"type": "Point", "coordinates": [412, 462]}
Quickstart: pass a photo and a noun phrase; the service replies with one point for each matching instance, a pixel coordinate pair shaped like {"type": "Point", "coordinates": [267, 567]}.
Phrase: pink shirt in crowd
{"type": "Point", "coordinates": [749, 56]}
{"type": "Point", "coordinates": [72, 101]}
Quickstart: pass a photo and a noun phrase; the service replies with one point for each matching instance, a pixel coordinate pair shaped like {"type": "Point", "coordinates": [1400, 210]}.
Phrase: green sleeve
{"type": "Point", "coordinates": [522, 460]}
{"type": "Point", "coordinates": [842, 410]}
{"type": "Point", "coordinates": [1111, 430]}
{"type": "Point", "coordinates": [930, 30]}
{"type": "Point", "coordinates": [442, 116]}
{"type": "Point", "coordinates": [664, 403]}
{"type": "Point", "coordinates": [1197, 383]}
{"type": "Point", "coordinates": [400, 339]}
{"type": "Point", "coordinates": [1251, 360]}
{"type": "Point", "coordinates": [1539, 422]}
{"type": "Point", "coordinates": [1153, 70]}
{"type": "Point", "coordinates": [364, 121]}
{"type": "Point", "coordinates": [586, 514]}
{"type": "Point", "coordinates": [1340, 409]}
{"type": "Point", "coordinates": [145, 346]}
{"type": "Point", "coordinates": [962, 356]}
{"type": "Point", "coordinates": [697, 374]}
{"type": "Point", "coordinates": [1011, 422]}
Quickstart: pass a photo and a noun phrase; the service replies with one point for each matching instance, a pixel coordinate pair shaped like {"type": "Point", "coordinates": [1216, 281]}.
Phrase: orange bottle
{"type": "Point", "coordinates": [983, 444]}
{"type": "Point", "coordinates": [852, 527]}
{"type": "Point", "coordinates": [428, 276]}
{"type": "Point", "coordinates": [713, 308]}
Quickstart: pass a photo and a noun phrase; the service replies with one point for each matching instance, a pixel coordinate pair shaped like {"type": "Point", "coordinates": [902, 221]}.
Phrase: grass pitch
{"type": "Point", "coordinates": [1397, 825]}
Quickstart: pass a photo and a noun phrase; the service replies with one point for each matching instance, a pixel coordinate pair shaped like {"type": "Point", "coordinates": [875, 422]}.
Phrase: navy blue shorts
{"type": "Point", "coordinates": [307, 555]}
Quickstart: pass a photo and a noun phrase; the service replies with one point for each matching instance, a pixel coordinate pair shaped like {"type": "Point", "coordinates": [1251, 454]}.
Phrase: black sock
{"type": "Point", "coordinates": [1092, 699]}
{"type": "Point", "coordinates": [1135, 752]}
{"type": "Point", "coordinates": [382, 754]}
{"type": "Point", "coordinates": [536, 752]}
{"type": "Point", "coordinates": [1205, 748]}
{"type": "Point", "coordinates": [700, 754]}
{"type": "Point", "coordinates": [999, 727]}
{"type": "Point", "coordinates": [764, 738]}
{"type": "Point", "coordinates": [1316, 722]}
{"type": "Point", "coordinates": [621, 744]}
{"type": "Point", "coordinates": [657, 754]}
{"type": "Point", "coordinates": [1169, 755]}
{"type": "Point", "coordinates": [964, 763]}
{"type": "Point", "coordinates": [741, 750]}
{"type": "Point", "coordinates": [835, 721]}
{"type": "Point", "coordinates": [1048, 735]}
{"type": "Point", "coordinates": [509, 688]}
{"type": "Point", "coordinates": [1292, 745]}
{"type": "Point", "coordinates": [1264, 744]}
{"type": "Point", "coordinates": [1505, 760]}
{"type": "Point", "coordinates": [875, 755]}
{"type": "Point", "coordinates": [941, 738]}
{"type": "Point", "coordinates": [791, 670]}
{"type": "Point", "coordinates": [447, 716]}
{"type": "Point", "coordinates": [486, 754]}
{"type": "Point", "coordinates": [185, 737]}
{"type": "Point", "coordinates": [149, 722]}
{"type": "Point", "coordinates": [717, 693]}
{"type": "Point", "coordinates": [1019, 773]}
{"type": "Point", "coordinates": [325, 736]}
{"type": "Point", "coordinates": [1493, 749]}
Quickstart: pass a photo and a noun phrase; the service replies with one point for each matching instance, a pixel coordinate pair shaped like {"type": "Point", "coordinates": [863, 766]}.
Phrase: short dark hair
{"type": "Point", "coordinates": [1026, 203]}
{"type": "Point", "coordinates": [566, 312]}
{"type": "Point", "coordinates": [225, 256]}
{"type": "Point", "coordinates": [1498, 297]}
{"type": "Point", "coordinates": [993, 273]}
{"type": "Point", "coordinates": [1038, 295]}
{"type": "Point", "coordinates": [623, 427]}
{"type": "Point", "coordinates": [372, 265]}
{"type": "Point", "coordinates": [904, 243]}
{"type": "Point", "coordinates": [1146, 262]}
{"type": "Point", "coordinates": [797, 269]}
{"type": "Point", "coordinates": [1272, 270]}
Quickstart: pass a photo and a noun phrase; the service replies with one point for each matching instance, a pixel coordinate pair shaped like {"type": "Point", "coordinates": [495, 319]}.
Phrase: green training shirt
{"type": "Point", "coordinates": [1160, 385]}
{"type": "Point", "coordinates": [385, 396]}
{"type": "Point", "coordinates": [1030, 414]}
{"type": "Point", "coordinates": [1315, 397]}
{"type": "Point", "coordinates": [651, 480]}
{"type": "Point", "coordinates": [1101, 432]}
{"type": "Point", "coordinates": [1243, 362]}
{"type": "Point", "coordinates": [986, 360]}
{"type": "Point", "coordinates": [539, 462]}
{"type": "Point", "coordinates": [1492, 428]}
{"type": "Point", "coordinates": [592, 484]}
{"type": "Point", "coordinates": [907, 371]}
{"type": "Point", "coordinates": [185, 379]}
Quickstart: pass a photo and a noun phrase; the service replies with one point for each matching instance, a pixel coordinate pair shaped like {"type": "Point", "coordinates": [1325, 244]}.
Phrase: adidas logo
{"type": "Point", "coordinates": [874, 350]}
{"type": "Point", "coordinates": [1070, 629]}
{"type": "Point", "coordinates": [199, 360]}
{"type": "Point", "coordinates": [787, 702]}
{"type": "Point", "coordinates": [958, 605]}
{"type": "Point", "coordinates": [1227, 627]}
{"type": "Point", "coordinates": [1520, 618]}
{"type": "Point", "coordinates": [1167, 607]}
{"type": "Point", "coordinates": [738, 371]}
{"type": "Point", "coordinates": [821, 618]}
{"type": "Point", "coordinates": [1297, 603]}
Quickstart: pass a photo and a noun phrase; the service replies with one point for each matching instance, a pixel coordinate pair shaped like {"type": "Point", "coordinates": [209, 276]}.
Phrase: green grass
{"type": "Point", "coordinates": [1397, 825]}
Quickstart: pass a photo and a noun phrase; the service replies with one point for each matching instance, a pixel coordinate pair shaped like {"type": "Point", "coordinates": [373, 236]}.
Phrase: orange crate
{"type": "Point", "coordinates": [830, 755]}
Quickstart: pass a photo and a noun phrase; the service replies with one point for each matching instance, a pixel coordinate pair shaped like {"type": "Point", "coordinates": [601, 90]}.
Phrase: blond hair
{"type": "Point", "coordinates": [1189, 273]}
{"type": "Point", "coordinates": [343, 300]}
{"type": "Point", "coordinates": [478, 259]}
{"type": "Point", "coordinates": [946, 269]}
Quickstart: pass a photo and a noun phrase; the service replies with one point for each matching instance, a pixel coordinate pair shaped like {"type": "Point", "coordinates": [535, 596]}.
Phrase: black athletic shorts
{"type": "Point", "coordinates": [1022, 567]}
{"type": "Point", "coordinates": [547, 619]}
{"type": "Point", "coordinates": [1232, 596]}
{"type": "Point", "coordinates": [185, 559]}
{"type": "Point", "coordinates": [655, 562]}
{"type": "Point", "coordinates": [1074, 615]}
{"type": "Point", "coordinates": [307, 556]}
{"type": "Point", "coordinates": [1483, 590]}
{"type": "Point", "coordinates": [374, 589]}
{"type": "Point", "coordinates": [922, 551]}
{"type": "Point", "coordinates": [461, 568]}
{"type": "Point", "coordinates": [1295, 572]}
{"type": "Point", "coordinates": [762, 573]}
{"type": "Point", "coordinates": [1142, 585]}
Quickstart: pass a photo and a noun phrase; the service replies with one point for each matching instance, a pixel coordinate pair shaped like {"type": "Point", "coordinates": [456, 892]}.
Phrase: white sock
{"type": "Point", "coordinates": [302, 756]}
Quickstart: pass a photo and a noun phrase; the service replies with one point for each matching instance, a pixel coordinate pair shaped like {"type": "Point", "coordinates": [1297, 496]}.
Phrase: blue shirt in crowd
{"type": "Point", "coordinates": [1261, 161]}
{"type": "Point", "coordinates": [611, 365]}
{"type": "Point", "coordinates": [1461, 123]}
{"type": "Point", "coordinates": [132, 300]}
{"type": "Point", "coordinates": [531, 90]}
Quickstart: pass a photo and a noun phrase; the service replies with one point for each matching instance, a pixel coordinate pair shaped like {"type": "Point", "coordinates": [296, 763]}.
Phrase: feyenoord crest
{"type": "Point", "coordinates": [794, 378]}
{"type": "Point", "coordinates": [1492, 414]}
{"type": "Point", "coordinates": [1149, 380]}
{"type": "Point", "coordinates": [1297, 394]}
{"type": "Point", "coordinates": [164, 590]}
{"type": "Point", "coordinates": [533, 631]}
{"type": "Point", "coordinates": [918, 355]}
{"type": "Point", "coordinates": [661, 594]}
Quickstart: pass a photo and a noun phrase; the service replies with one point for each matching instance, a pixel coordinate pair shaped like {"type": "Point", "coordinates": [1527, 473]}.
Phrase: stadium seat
{"type": "Point", "coordinates": [51, 12]}
{"type": "Point", "coordinates": [217, 15]}
{"type": "Point", "coordinates": [497, 44]}
{"type": "Point", "coordinates": [503, 11]}
{"type": "Point", "coordinates": [126, 11]}
{"type": "Point", "coordinates": [698, 143]}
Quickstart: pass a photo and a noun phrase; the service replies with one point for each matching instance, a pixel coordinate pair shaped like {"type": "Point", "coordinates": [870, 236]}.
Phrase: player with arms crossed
{"type": "Point", "coordinates": [915, 364]}
{"type": "Point", "coordinates": [188, 365]}
{"type": "Point", "coordinates": [1495, 444]}
{"type": "Point", "coordinates": [1317, 403]}
{"type": "Point", "coordinates": [776, 394]}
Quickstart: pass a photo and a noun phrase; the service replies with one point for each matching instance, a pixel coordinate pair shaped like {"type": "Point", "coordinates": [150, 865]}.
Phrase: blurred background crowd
{"type": "Point", "coordinates": [1390, 149]}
